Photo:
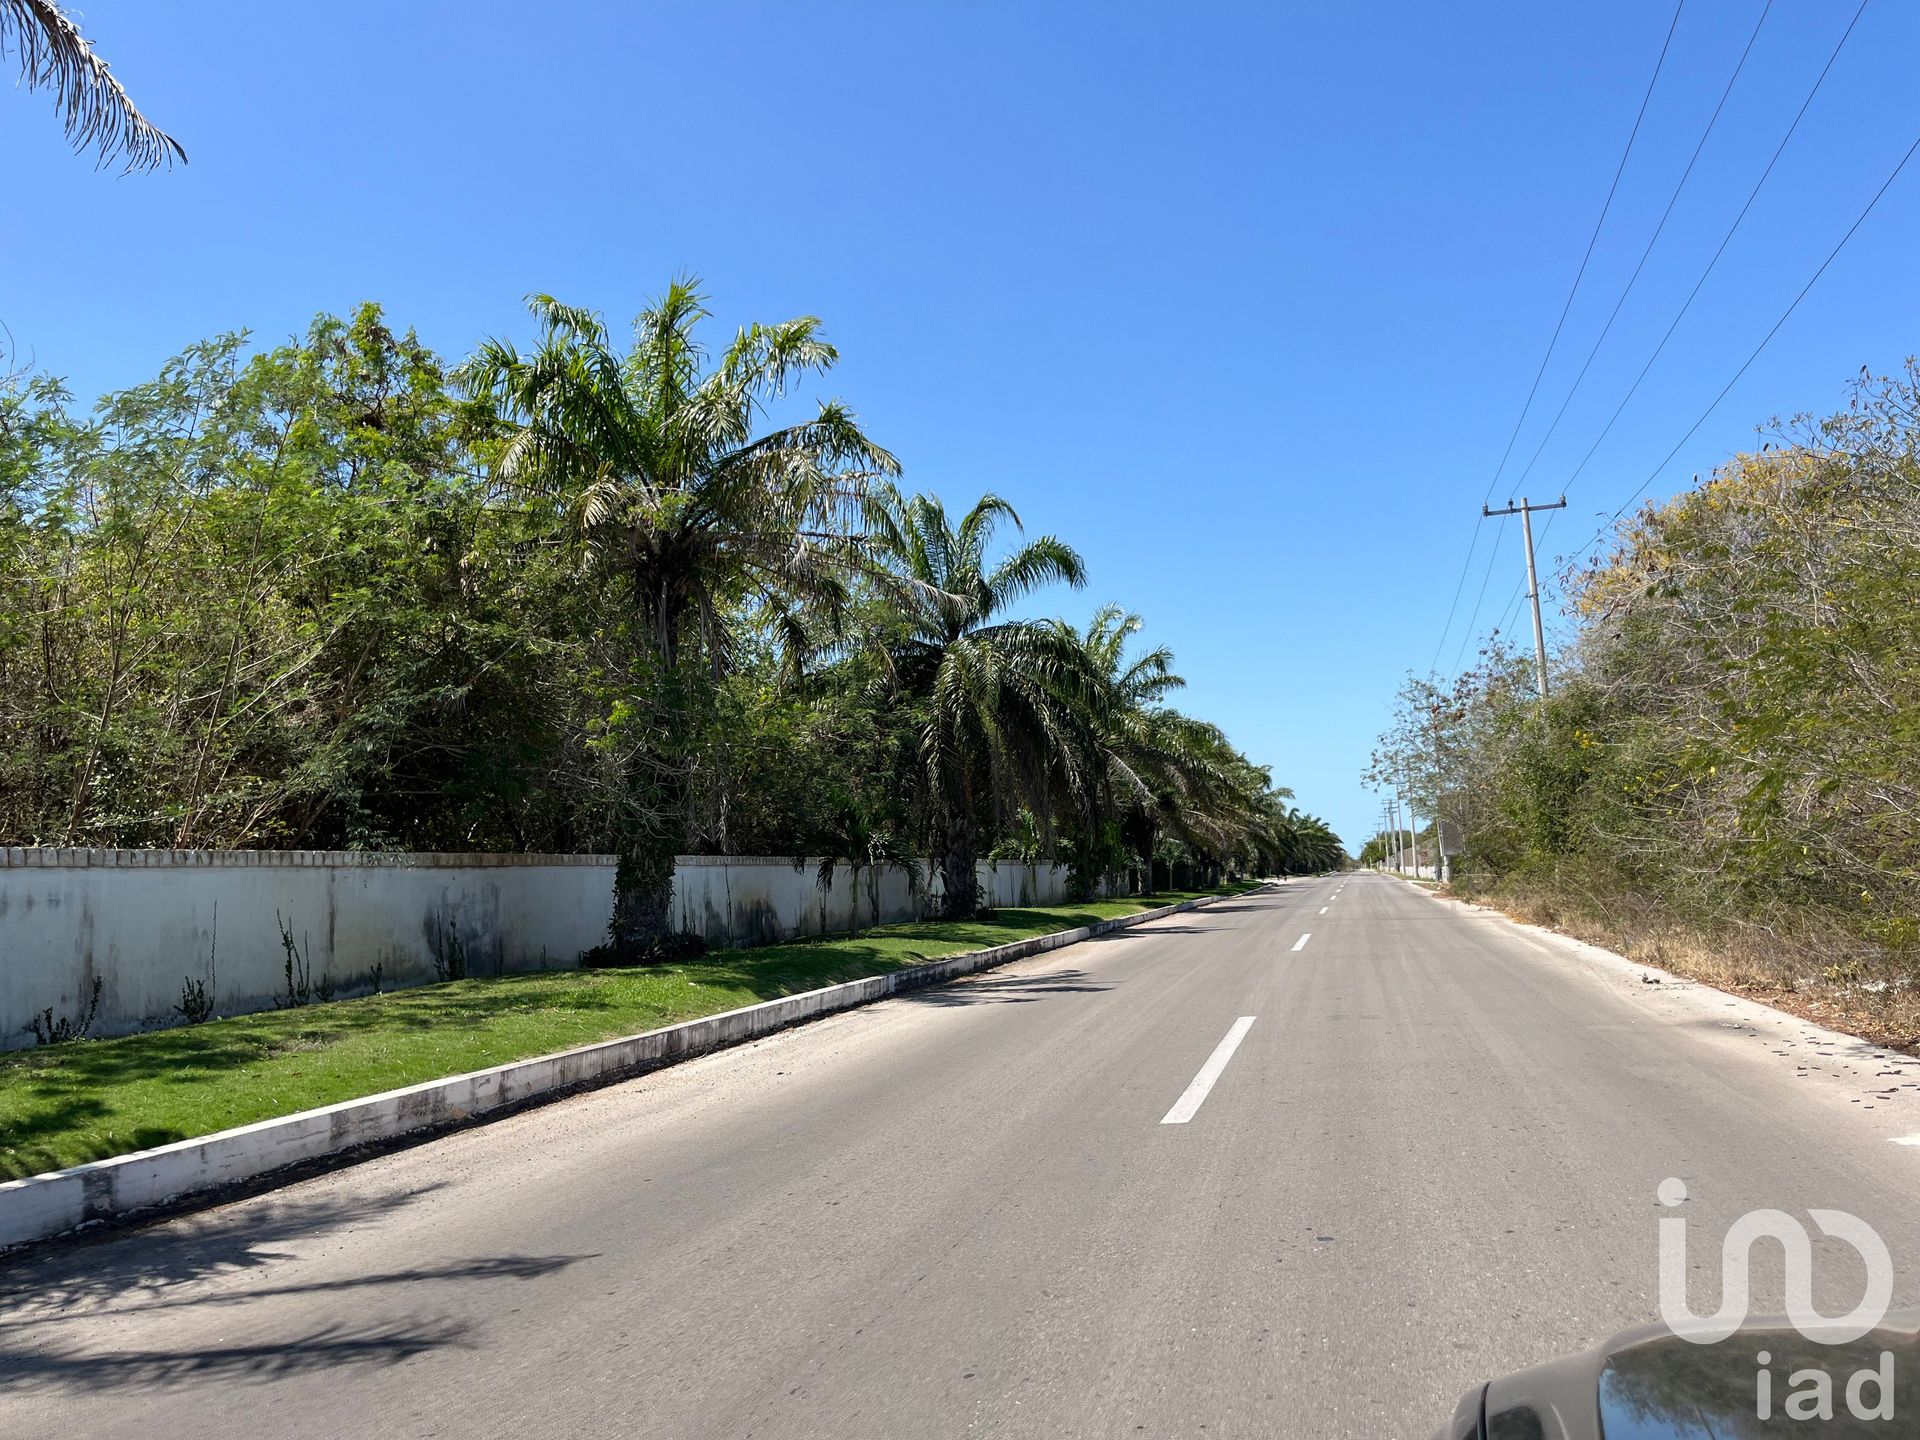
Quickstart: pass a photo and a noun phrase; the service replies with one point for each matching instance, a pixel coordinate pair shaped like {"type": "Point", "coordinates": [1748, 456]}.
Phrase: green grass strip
{"type": "Point", "coordinates": [88, 1100]}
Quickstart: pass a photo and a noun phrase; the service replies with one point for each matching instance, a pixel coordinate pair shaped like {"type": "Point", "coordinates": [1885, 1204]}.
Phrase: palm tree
{"type": "Point", "coordinates": [1004, 698]}
{"type": "Point", "coordinates": [1159, 773]}
{"type": "Point", "coordinates": [1292, 842]}
{"type": "Point", "coordinates": [97, 111]}
{"type": "Point", "coordinates": [1136, 754]}
{"type": "Point", "coordinates": [691, 517]}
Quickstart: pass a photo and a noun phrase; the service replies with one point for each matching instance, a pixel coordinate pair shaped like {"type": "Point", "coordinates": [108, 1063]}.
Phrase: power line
{"type": "Point", "coordinates": [1466, 635]}
{"type": "Point", "coordinates": [1592, 240]}
{"type": "Point", "coordinates": [1519, 594]}
{"type": "Point", "coordinates": [1465, 567]}
{"type": "Point", "coordinates": [1560, 324]}
{"type": "Point", "coordinates": [1714, 261]}
{"type": "Point", "coordinates": [1766, 340]}
{"type": "Point", "coordinates": [1725, 240]}
{"type": "Point", "coordinates": [1652, 240]}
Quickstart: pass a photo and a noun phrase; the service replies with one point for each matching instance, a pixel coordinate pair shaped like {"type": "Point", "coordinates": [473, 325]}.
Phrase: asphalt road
{"type": "Point", "coordinates": [1015, 1206]}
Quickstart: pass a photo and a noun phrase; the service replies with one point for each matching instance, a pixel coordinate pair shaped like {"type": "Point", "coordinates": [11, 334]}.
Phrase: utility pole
{"type": "Point", "coordinates": [1406, 815]}
{"type": "Point", "coordinates": [1439, 782]}
{"type": "Point", "coordinates": [1525, 512]}
{"type": "Point", "coordinates": [1412, 823]}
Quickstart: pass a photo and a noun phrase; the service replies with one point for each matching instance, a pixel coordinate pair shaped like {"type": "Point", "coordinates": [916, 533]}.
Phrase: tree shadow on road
{"type": "Point", "coordinates": [53, 1367]}
{"type": "Point", "coordinates": [179, 1265]}
{"type": "Point", "coordinates": [88, 1274]}
{"type": "Point", "coordinates": [1006, 989]}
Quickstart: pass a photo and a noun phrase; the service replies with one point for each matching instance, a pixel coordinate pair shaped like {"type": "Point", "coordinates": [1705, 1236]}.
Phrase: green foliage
{"type": "Point", "coordinates": [71, 1104]}
{"type": "Point", "coordinates": [1005, 700]}
{"type": "Point", "coordinates": [579, 597]}
{"type": "Point", "coordinates": [266, 602]}
{"type": "Point", "coordinates": [689, 521]}
{"type": "Point", "coordinates": [300, 988]}
{"type": "Point", "coordinates": [1736, 727]}
{"type": "Point", "coordinates": [48, 1028]}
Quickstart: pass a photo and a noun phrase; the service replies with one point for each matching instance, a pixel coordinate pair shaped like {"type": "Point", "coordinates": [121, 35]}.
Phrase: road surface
{"type": "Point", "coordinates": [1308, 1163]}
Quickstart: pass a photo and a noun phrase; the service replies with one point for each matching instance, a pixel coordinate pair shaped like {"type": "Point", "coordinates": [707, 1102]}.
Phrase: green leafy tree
{"type": "Point", "coordinates": [688, 512]}
{"type": "Point", "coordinates": [1730, 760]}
{"type": "Point", "coordinates": [265, 601]}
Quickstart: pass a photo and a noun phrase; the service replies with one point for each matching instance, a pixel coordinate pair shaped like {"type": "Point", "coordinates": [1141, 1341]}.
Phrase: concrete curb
{"type": "Point", "coordinates": [43, 1206]}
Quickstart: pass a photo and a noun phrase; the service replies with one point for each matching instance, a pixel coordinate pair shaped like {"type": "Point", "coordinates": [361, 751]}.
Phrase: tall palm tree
{"type": "Point", "coordinates": [1004, 697]}
{"type": "Point", "coordinates": [96, 109]}
{"type": "Point", "coordinates": [688, 513]}
{"type": "Point", "coordinates": [1158, 772]}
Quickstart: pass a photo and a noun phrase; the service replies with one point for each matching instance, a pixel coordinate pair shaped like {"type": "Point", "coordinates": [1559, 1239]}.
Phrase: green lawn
{"type": "Point", "coordinates": [71, 1103]}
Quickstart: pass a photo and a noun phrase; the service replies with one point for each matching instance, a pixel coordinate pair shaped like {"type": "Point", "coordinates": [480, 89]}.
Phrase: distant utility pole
{"type": "Point", "coordinates": [1525, 512]}
{"type": "Point", "coordinates": [1439, 779]}
{"type": "Point", "coordinates": [1408, 816]}
{"type": "Point", "coordinates": [1412, 823]}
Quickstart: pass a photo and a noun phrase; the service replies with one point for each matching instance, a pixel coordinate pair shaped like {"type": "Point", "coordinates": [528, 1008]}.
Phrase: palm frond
{"type": "Point", "coordinates": [1048, 560]}
{"type": "Point", "coordinates": [96, 110]}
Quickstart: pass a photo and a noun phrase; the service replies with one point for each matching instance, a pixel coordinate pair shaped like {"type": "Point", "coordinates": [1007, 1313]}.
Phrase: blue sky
{"type": "Point", "coordinates": [1243, 300]}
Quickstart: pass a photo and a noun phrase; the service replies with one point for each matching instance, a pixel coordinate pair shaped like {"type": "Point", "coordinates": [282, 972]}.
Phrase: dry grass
{"type": "Point", "coordinates": [1815, 970]}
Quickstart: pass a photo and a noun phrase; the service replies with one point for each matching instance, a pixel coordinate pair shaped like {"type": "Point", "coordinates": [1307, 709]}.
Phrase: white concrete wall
{"type": "Point", "coordinates": [144, 922]}
{"type": "Point", "coordinates": [761, 900]}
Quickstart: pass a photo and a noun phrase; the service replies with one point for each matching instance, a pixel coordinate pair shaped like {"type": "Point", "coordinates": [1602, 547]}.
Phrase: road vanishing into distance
{"type": "Point", "coordinates": [1307, 1163]}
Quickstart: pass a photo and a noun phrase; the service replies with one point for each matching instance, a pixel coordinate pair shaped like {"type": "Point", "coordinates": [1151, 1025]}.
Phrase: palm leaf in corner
{"type": "Point", "coordinates": [95, 108]}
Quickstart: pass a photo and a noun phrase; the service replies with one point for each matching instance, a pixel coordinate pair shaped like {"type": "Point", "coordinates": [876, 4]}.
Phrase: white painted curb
{"type": "Point", "coordinates": [42, 1206]}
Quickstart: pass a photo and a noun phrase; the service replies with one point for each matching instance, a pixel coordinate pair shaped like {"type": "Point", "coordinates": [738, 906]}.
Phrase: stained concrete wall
{"type": "Point", "coordinates": [761, 900]}
{"type": "Point", "coordinates": [145, 922]}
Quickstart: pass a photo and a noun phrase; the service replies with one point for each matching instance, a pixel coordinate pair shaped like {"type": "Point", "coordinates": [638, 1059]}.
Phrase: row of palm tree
{"type": "Point", "coordinates": [677, 492]}
{"type": "Point", "coordinates": [704, 522]}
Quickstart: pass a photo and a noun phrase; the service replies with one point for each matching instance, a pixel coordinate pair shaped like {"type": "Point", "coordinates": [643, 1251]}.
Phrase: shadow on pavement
{"type": "Point", "coordinates": [491, 1267]}
{"type": "Point", "coordinates": [1006, 990]}
{"type": "Point", "coordinates": [332, 1346]}
{"type": "Point", "coordinates": [147, 1263]}
{"type": "Point", "coordinates": [179, 1266]}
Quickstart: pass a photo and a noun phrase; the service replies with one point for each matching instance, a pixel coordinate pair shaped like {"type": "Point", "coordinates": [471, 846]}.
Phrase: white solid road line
{"type": "Point", "coordinates": [1301, 943]}
{"type": "Point", "coordinates": [1195, 1094]}
{"type": "Point", "coordinates": [1906, 1140]}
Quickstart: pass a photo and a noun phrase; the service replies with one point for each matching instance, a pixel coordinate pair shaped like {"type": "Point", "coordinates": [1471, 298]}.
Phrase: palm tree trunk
{"type": "Point", "coordinates": [958, 882]}
{"type": "Point", "coordinates": [642, 899]}
{"type": "Point", "coordinates": [657, 790]}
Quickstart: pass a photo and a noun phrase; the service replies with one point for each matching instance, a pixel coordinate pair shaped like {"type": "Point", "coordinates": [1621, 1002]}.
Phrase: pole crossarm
{"type": "Point", "coordinates": [1523, 507]}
